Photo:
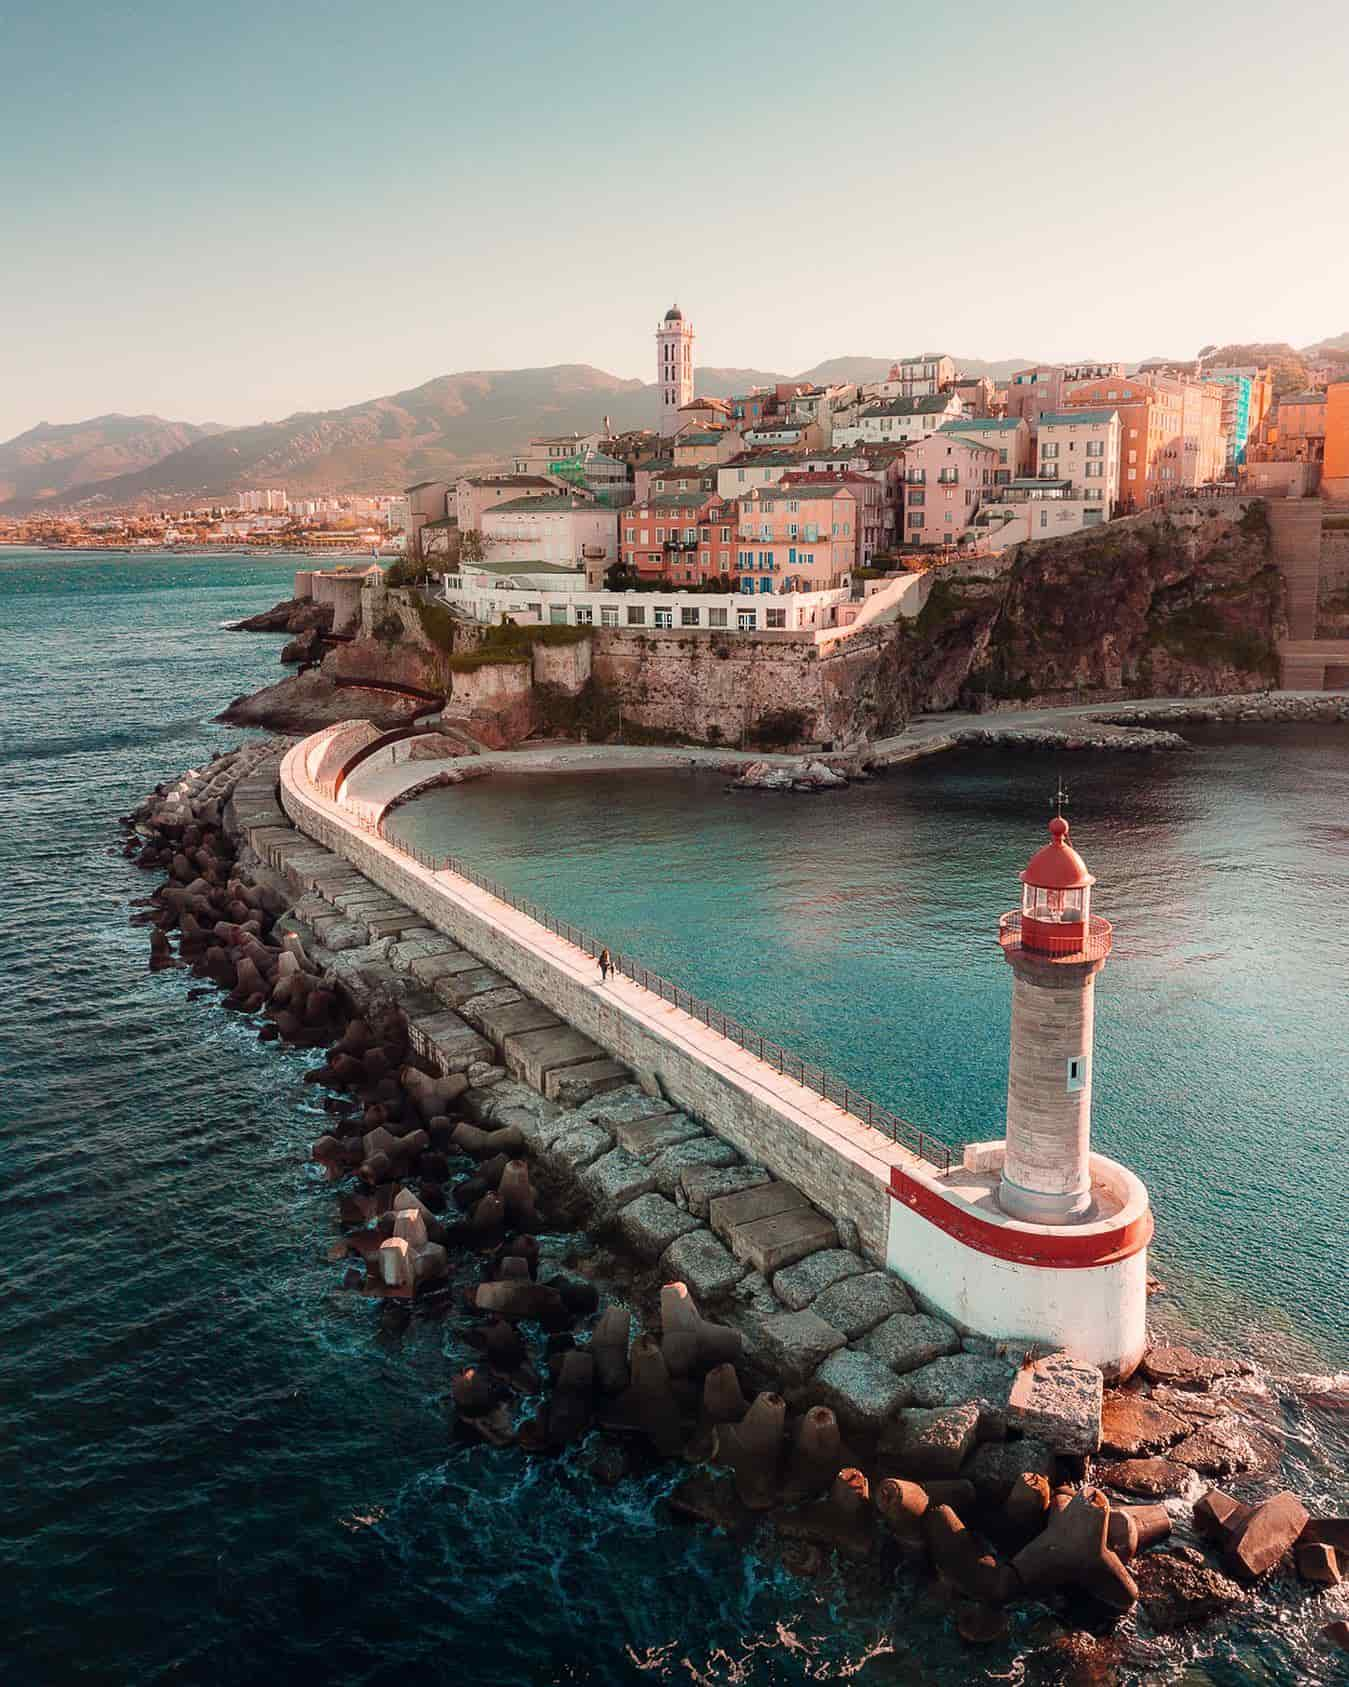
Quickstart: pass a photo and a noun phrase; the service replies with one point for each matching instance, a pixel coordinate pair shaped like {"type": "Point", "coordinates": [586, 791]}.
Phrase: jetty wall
{"type": "Point", "coordinates": [840, 1164]}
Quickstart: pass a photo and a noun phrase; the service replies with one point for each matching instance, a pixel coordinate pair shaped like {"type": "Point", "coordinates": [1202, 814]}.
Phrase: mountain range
{"type": "Point", "coordinates": [446, 427]}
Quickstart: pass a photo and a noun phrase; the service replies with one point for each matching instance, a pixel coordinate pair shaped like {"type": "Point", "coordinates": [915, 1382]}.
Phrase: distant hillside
{"type": "Point", "coordinates": [436, 431]}
{"type": "Point", "coordinates": [50, 459]}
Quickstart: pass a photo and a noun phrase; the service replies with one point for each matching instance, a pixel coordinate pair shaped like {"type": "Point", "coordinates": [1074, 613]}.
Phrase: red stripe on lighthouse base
{"type": "Point", "coordinates": [1073, 1247]}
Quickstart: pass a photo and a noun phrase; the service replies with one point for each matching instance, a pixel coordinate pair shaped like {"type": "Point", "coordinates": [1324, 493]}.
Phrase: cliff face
{"type": "Point", "coordinates": [1183, 607]}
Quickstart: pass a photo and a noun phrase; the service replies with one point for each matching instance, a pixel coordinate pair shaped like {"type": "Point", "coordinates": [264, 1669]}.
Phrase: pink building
{"type": "Point", "coordinates": [946, 478]}
{"type": "Point", "coordinates": [476, 494]}
{"type": "Point", "coordinates": [1008, 435]}
{"type": "Point", "coordinates": [797, 539]}
{"type": "Point", "coordinates": [873, 509]}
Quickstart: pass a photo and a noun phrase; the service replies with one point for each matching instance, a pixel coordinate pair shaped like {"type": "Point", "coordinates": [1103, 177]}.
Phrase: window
{"type": "Point", "coordinates": [689, 618]}
{"type": "Point", "coordinates": [636, 616]}
{"type": "Point", "coordinates": [725, 535]}
{"type": "Point", "coordinates": [1096, 448]}
{"type": "Point", "coordinates": [1050, 448]}
{"type": "Point", "coordinates": [557, 614]}
{"type": "Point", "coordinates": [746, 585]}
{"type": "Point", "coordinates": [690, 535]}
{"type": "Point", "coordinates": [609, 615]}
{"type": "Point", "coordinates": [917, 499]}
{"type": "Point", "coordinates": [664, 618]}
{"type": "Point", "coordinates": [745, 619]}
{"type": "Point", "coordinates": [646, 537]}
{"type": "Point", "coordinates": [765, 585]}
{"type": "Point", "coordinates": [792, 529]}
{"type": "Point", "coordinates": [716, 617]}
{"type": "Point", "coordinates": [1096, 468]}
{"type": "Point", "coordinates": [777, 618]}
{"type": "Point", "coordinates": [1094, 492]}
{"type": "Point", "coordinates": [1133, 474]}
{"type": "Point", "coordinates": [916, 518]}
{"type": "Point", "coordinates": [765, 530]}
{"type": "Point", "coordinates": [660, 535]}
{"type": "Point", "coordinates": [1077, 1074]}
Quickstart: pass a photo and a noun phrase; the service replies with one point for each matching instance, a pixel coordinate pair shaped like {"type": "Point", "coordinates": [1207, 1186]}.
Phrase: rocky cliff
{"type": "Point", "coordinates": [1155, 606]}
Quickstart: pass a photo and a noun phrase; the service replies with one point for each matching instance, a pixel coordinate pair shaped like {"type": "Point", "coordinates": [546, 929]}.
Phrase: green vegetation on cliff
{"type": "Point", "coordinates": [505, 643]}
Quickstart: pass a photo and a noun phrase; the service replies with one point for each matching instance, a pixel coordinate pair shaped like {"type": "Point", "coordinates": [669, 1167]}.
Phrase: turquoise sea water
{"type": "Point", "coordinates": [214, 1465]}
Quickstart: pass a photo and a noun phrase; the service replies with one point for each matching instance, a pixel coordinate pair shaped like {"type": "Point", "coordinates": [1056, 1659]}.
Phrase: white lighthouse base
{"type": "Point", "coordinates": [1081, 1287]}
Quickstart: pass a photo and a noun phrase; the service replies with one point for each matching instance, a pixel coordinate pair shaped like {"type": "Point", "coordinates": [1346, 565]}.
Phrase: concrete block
{"type": "Point", "coordinates": [762, 1201]}
{"type": "Point", "coordinates": [627, 1104]}
{"type": "Point", "coordinates": [961, 1377]}
{"type": "Point", "coordinates": [670, 1166]}
{"type": "Point", "coordinates": [701, 1261]}
{"type": "Point", "coordinates": [646, 1138]}
{"type": "Point", "coordinates": [770, 1243]}
{"type": "Point", "coordinates": [615, 1178]}
{"type": "Point", "coordinates": [581, 1145]}
{"type": "Point", "coordinates": [572, 1084]}
{"type": "Point", "coordinates": [446, 1040]}
{"type": "Point", "coordinates": [455, 988]}
{"type": "Point", "coordinates": [699, 1186]}
{"type": "Point", "coordinates": [862, 1393]}
{"type": "Point", "coordinates": [502, 1020]}
{"type": "Point", "coordinates": [797, 1285]}
{"type": "Point", "coordinates": [857, 1304]}
{"type": "Point", "coordinates": [390, 925]}
{"type": "Point", "coordinates": [931, 1443]}
{"type": "Point", "coordinates": [473, 1007]}
{"type": "Point", "coordinates": [797, 1344]}
{"type": "Point", "coordinates": [906, 1341]}
{"type": "Point", "coordinates": [1058, 1401]}
{"type": "Point", "coordinates": [532, 1055]}
{"type": "Point", "coordinates": [998, 1465]}
{"type": "Point", "coordinates": [651, 1223]}
{"type": "Point", "coordinates": [428, 968]}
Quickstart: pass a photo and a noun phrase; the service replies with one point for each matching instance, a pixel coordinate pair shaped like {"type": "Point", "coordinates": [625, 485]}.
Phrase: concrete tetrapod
{"type": "Point", "coordinates": [902, 1507]}
{"type": "Point", "coordinates": [648, 1405]}
{"type": "Point", "coordinates": [609, 1346]}
{"type": "Point", "coordinates": [816, 1457]}
{"type": "Point", "coordinates": [842, 1521]}
{"type": "Point", "coordinates": [963, 1560]}
{"type": "Point", "coordinates": [690, 1343]}
{"type": "Point", "coordinates": [753, 1449]}
{"type": "Point", "coordinates": [1072, 1550]}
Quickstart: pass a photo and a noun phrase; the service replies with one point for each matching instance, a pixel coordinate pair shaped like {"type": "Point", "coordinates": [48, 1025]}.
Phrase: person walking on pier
{"type": "Point", "coordinates": [606, 966]}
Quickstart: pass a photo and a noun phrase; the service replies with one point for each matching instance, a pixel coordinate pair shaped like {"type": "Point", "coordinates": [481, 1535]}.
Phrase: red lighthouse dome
{"type": "Point", "coordinates": [1056, 898]}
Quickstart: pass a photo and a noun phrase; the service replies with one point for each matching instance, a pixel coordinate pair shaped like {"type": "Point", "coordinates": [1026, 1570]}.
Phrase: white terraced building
{"type": "Point", "coordinates": [539, 595]}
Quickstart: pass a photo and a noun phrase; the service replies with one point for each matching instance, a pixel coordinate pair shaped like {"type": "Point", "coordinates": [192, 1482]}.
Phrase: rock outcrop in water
{"type": "Point", "coordinates": [292, 615]}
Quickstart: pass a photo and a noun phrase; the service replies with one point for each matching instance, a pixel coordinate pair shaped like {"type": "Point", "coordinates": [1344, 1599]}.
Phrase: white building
{"type": "Point", "coordinates": [534, 599]}
{"type": "Point", "coordinates": [898, 421]}
{"type": "Point", "coordinates": [1081, 447]}
{"type": "Point", "coordinates": [674, 368]}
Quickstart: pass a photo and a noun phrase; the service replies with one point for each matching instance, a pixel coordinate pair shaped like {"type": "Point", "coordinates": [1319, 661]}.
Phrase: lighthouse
{"type": "Point", "coordinates": [1055, 948]}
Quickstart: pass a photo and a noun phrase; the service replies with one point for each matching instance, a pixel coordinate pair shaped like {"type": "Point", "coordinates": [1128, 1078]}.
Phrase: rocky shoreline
{"type": "Point", "coordinates": [811, 1406]}
{"type": "Point", "coordinates": [1256, 707]}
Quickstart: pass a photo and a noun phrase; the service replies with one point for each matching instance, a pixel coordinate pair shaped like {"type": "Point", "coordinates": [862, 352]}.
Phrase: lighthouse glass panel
{"type": "Point", "coordinates": [1054, 907]}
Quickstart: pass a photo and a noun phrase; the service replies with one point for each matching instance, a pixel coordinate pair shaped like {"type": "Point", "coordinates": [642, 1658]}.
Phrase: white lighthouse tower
{"type": "Point", "coordinates": [1055, 949]}
{"type": "Point", "coordinates": [674, 368]}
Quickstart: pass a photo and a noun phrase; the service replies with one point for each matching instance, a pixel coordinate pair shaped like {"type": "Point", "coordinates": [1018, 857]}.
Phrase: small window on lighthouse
{"type": "Point", "coordinates": [1077, 1073]}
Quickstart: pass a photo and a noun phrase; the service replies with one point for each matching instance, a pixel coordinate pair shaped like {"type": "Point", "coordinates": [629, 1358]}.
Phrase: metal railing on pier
{"type": "Point", "coordinates": [813, 1077]}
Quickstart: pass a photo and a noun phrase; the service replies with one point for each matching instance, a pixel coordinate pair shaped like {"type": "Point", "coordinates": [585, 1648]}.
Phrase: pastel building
{"type": "Point", "coordinates": [1008, 435]}
{"type": "Point", "coordinates": [559, 528]}
{"type": "Point", "coordinates": [924, 375]}
{"type": "Point", "coordinates": [797, 539]}
{"type": "Point", "coordinates": [683, 537]}
{"type": "Point", "coordinates": [1335, 471]}
{"type": "Point", "coordinates": [1150, 437]}
{"type": "Point", "coordinates": [474, 495]}
{"type": "Point", "coordinates": [1081, 447]}
{"type": "Point", "coordinates": [674, 368]}
{"type": "Point", "coordinates": [873, 504]}
{"type": "Point", "coordinates": [558, 599]}
{"type": "Point", "coordinates": [542, 455]}
{"type": "Point", "coordinates": [946, 477]}
{"type": "Point", "coordinates": [693, 446]}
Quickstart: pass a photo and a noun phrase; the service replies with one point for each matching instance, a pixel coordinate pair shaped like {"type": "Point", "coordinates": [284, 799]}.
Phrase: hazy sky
{"type": "Point", "coordinates": [233, 212]}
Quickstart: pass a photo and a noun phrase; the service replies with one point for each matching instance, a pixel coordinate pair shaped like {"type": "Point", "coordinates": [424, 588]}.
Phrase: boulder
{"type": "Point", "coordinates": [650, 1223]}
{"type": "Point", "coordinates": [997, 1466]}
{"type": "Point", "coordinates": [578, 1147]}
{"type": "Point", "coordinates": [1258, 1542]}
{"type": "Point", "coordinates": [1225, 1446]}
{"type": "Point", "coordinates": [796, 1286]}
{"type": "Point", "coordinates": [1154, 1478]}
{"type": "Point", "coordinates": [796, 1344]}
{"type": "Point", "coordinates": [856, 1305]}
{"type": "Point", "coordinates": [1216, 1514]}
{"type": "Point", "coordinates": [700, 1185]}
{"type": "Point", "coordinates": [699, 1259]}
{"type": "Point", "coordinates": [614, 1178]}
{"type": "Point", "coordinates": [1178, 1587]}
{"type": "Point", "coordinates": [908, 1340]}
{"type": "Point", "coordinates": [862, 1393]}
{"type": "Point", "coordinates": [961, 1377]}
{"type": "Point", "coordinates": [1182, 1367]}
{"type": "Point", "coordinates": [931, 1442]}
{"type": "Point", "coordinates": [1133, 1426]}
{"type": "Point", "coordinates": [1057, 1400]}
{"type": "Point", "coordinates": [669, 1167]}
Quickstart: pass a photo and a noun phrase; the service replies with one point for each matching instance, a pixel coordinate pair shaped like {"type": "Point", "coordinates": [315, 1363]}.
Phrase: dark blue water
{"type": "Point", "coordinates": [214, 1467]}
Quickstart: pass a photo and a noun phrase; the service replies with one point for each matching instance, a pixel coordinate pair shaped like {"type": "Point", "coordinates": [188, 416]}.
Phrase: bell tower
{"type": "Point", "coordinates": [674, 368]}
{"type": "Point", "coordinates": [1055, 948]}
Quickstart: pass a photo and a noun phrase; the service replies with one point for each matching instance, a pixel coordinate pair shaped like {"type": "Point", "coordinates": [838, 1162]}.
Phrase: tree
{"type": "Point", "coordinates": [472, 546]}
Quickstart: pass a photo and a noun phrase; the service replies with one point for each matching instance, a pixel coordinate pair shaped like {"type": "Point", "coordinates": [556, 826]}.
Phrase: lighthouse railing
{"type": "Point", "coordinates": [809, 1074]}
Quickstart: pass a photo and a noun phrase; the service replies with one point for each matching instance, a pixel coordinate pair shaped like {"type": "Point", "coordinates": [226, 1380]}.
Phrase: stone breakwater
{"type": "Point", "coordinates": [1083, 735]}
{"type": "Point", "coordinates": [1330, 707]}
{"type": "Point", "coordinates": [821, 1410]}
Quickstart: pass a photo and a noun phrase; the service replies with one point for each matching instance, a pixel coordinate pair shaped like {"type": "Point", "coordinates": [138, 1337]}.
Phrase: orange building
{"type": "Point", "coordinates": [1151, 434]}
{"type": "Point", "coordinates": [1335, 472]}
